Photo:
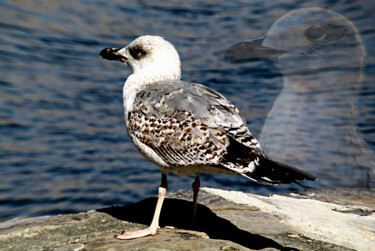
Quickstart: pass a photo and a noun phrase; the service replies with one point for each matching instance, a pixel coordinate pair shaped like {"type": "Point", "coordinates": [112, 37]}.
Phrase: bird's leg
{"type": "Point", "coordinates": [196, 184]}
{"type": "Point", "coordinates": [154, 227]}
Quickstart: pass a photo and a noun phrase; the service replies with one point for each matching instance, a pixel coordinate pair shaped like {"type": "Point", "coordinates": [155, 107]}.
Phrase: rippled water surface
{"type": "Point", "coordinates": [63, 144]}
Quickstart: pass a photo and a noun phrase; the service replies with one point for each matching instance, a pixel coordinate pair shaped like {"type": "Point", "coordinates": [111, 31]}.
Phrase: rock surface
{"type": "Point", "coordinates": [326, 219]}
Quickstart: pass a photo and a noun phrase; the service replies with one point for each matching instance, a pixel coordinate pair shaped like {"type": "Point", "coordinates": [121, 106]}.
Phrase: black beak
{"type": "Point", "coordinates": [251, 51]}
{"type": "Point", "coordinates": [112, 54]}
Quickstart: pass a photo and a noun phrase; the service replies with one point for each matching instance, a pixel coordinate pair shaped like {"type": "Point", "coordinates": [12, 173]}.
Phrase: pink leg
{"type": "Point", "coordinates": [196, 185]}
{"type": "Point", "coordinates": [154, 227]}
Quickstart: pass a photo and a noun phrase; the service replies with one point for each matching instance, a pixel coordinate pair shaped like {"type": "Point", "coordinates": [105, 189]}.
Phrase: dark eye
{"type": "Point", "coordinates": [137, 53]}
{"type": "Point", "coordinates": [315, 33]}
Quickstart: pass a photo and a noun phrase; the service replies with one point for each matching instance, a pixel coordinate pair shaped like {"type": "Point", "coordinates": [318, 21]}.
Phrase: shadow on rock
{"type": "Point", "coordinates": [179, 213]}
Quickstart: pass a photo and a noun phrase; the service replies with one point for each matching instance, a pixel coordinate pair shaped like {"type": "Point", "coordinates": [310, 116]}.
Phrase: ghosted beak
{"type": "Point", "coordinates": [112, 54]}
{"type": "Point", "coordinates": [251, 51]}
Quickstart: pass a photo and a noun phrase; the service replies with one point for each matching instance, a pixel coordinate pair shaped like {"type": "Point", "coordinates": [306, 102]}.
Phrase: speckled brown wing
{"type": "Point", "coordinates": [192, 125]}
{"type": "Point", "coordinates": [204, 104]}
{"type": "Point", "coordinates": [179, 142]}
{"type": "Point", "coordinates": [189, 124]}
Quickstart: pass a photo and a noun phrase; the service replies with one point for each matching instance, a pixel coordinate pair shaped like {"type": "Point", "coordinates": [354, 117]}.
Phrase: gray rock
{"type": "Point", "coordinates": [310, 220]}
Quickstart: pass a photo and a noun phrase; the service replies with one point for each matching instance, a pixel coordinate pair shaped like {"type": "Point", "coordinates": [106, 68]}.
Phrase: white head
{"type": "Point", "coordinates": [310, 46]}
{"type": "Point", "coordinates": [152, 58]}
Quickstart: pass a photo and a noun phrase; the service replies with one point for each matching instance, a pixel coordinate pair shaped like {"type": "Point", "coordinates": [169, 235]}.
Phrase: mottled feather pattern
{"type": "Point", "coordinates": [179, 143]}
{"type": "Point", "coordinates": [161, 121]}
{"type": "Point", "coordinates": [207, 105]}
{"type": "Point", "coordinates": [243, 135]}
{"type": "Point", "coordinates": [190, 125]}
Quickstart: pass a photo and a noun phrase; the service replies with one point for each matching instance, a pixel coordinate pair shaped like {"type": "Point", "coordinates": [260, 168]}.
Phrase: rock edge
{"type": "Point", "coordinates": [328, 219]}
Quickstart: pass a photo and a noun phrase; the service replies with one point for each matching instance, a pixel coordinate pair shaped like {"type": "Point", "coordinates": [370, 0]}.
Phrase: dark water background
{"type": "Point", "coordinates": [63, 144]}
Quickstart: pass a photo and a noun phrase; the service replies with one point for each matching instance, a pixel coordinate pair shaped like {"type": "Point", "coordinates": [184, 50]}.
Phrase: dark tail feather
{"type": "Point", "coordinates": [273, 172]}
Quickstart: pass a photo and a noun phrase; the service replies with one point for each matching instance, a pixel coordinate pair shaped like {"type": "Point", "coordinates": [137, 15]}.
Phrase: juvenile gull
{"type": "Point", "coordinates": [186, 128]}
{"type": "Point", "coordinates": [311, 124]}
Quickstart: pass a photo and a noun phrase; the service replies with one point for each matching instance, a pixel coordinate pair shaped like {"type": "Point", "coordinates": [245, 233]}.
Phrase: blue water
{"type": "Point", "coordinates": [63, 144]}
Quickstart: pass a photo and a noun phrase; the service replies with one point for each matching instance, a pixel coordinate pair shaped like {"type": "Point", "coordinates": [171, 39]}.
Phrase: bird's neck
{"type": "Point", "coordinates": [148, 78]}
{"type": "Point", "coordinates": [137, 81]}
{"type": "Point", "coordinates": [320, 118]}
{"type": "Point", "coordinates": [330, 105]}
{"type": "Point", "coordinates": [317, 131]}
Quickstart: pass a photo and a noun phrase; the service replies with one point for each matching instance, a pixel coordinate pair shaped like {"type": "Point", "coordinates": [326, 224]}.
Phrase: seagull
{"type": "Point", "coordinates": [186, 128]}
{"type": "Point", "coordinates": [311, 123]}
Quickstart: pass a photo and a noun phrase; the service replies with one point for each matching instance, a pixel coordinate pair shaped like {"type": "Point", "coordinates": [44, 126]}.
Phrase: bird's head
{"type": "Point", "coordinates": [150, 56]}
{"type": "Point", "coordinates": [305, 40]}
